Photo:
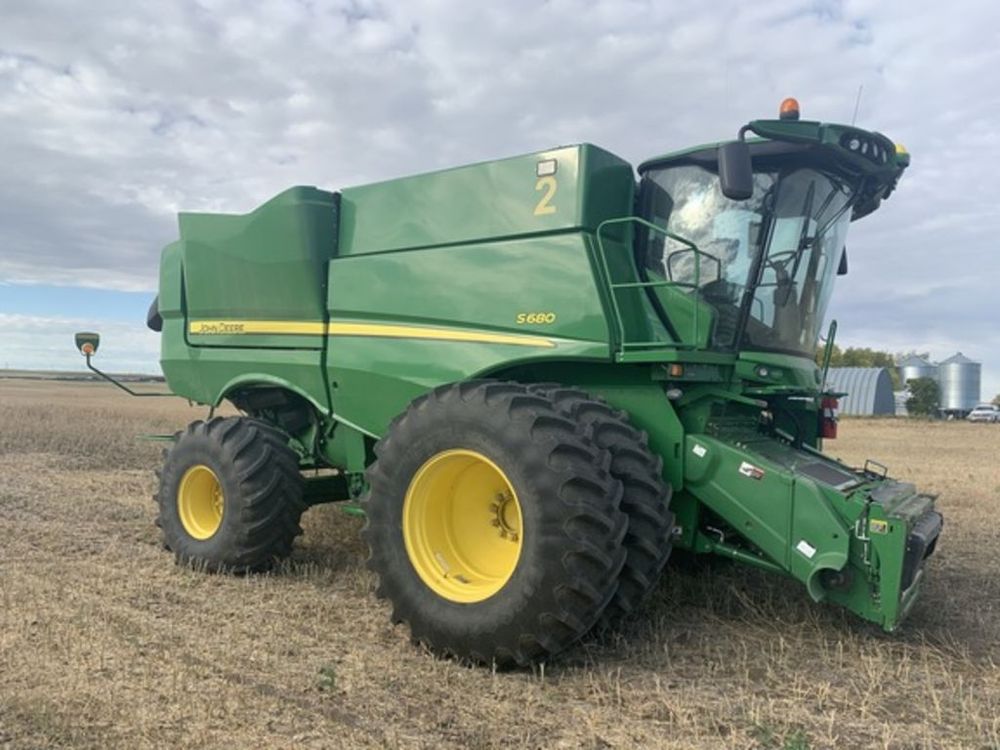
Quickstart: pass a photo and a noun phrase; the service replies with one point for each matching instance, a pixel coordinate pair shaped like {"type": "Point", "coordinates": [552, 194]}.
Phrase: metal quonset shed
{"type": "Point", "coordinates": [868, 389]}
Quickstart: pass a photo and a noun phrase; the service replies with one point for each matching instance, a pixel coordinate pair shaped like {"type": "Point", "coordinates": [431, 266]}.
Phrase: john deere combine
{"type": "Point", "coordinates": [536, 376]}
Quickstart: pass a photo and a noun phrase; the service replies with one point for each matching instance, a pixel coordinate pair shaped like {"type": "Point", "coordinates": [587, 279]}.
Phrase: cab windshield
{"type": "Point", "coordinates": [765, 265]}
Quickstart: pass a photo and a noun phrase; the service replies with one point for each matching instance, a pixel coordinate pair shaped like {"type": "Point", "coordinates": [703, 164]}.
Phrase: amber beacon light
{"type": "Point", "coordinates": [789, 109]}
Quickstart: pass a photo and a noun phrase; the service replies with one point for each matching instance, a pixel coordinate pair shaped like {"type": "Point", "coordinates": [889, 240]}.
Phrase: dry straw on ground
{"type": "Point", "coordinates": [104, 643]}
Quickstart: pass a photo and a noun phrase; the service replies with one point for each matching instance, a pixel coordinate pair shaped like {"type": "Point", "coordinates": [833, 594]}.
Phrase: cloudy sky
{"type": "Point", "coordinates": [115, 117]}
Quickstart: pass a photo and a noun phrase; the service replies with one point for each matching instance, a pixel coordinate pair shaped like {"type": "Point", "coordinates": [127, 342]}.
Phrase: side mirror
{"type": "Point", "coordinates": [735, 170]}
{"type": "Point", "coordinates": [87, 343]}
{"type": "Point", "coordinates": [842, 268]}
{"type": "Point", "coordinates": [154, 321]}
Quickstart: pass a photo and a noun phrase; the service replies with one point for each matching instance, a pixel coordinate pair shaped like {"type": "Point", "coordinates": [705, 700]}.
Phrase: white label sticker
{"type": "Point", "coordinates": [875, 526]}
{"type": "Point", "coordinates": [806, 549]}
{"type": "Point", "coordinates": [749, 470]}
{"type": "Point", "coordinates": [545, 168]}
{"type": "Point", "coordinates": [699, 450]}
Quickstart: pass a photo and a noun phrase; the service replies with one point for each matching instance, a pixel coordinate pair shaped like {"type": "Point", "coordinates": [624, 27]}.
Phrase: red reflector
{"type": "Point", "coordinates": [828, 417]}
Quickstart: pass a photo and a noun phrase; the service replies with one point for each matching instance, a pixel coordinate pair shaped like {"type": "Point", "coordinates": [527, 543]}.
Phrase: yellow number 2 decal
{"type": "Point", "coordinates": [548, 184]}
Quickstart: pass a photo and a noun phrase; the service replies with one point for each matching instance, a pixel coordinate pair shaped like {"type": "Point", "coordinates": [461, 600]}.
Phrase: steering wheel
{"type": "Point", "coordinates": [771, 261]}
{"type": "Point", "coordinates": [784, 285]}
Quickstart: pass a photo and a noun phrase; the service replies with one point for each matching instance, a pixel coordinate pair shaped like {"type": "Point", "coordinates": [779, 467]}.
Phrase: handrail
{"type": "Point", "coordinates": [619, 320]}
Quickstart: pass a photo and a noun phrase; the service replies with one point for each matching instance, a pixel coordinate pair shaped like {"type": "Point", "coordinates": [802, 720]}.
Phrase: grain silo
{"type": "Point", "coordinates": [868, 389]}
{"type": "Point", "coordinates": [959, 378]}
{"type": "Point", "coordinates": [913, 367]}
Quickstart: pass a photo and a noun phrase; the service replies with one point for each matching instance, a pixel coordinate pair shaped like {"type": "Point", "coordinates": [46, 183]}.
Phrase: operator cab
{"type": "Point", "coordinates": [764, 265]}
{"type": "Point", "coordinates": [775, 253]}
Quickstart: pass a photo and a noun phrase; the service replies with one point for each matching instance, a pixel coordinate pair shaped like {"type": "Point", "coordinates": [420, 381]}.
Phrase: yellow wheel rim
{"type": "Point", "coordinates": [462, 526]}
{"type": "Point", "coordinates": [200, 502]}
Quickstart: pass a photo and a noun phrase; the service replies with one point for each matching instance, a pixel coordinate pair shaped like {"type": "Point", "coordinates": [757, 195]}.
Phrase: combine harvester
{"type": "Point", "coordinates": [536, 376]}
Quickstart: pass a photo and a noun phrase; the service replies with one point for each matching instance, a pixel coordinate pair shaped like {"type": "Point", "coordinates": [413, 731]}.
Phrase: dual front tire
{"type": "Point", "coordinates": [498, 524]}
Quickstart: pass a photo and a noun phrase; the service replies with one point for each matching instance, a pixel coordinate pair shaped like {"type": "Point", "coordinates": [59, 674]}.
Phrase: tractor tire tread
{"type": "Point", "coordinates": [263, 494]}
{"type": "Point", "coordinates": [573, 574]}
{"type": "Point", "coordinates": [646, 496]}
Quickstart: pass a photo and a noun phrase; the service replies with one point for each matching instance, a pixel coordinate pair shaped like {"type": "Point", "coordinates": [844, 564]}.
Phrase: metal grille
{"type": "Point", "coordinates": [827, 474]}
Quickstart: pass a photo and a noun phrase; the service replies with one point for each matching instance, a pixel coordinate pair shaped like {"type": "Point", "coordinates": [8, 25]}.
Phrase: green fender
{"type": "Point", "coordinates": [260, 378]}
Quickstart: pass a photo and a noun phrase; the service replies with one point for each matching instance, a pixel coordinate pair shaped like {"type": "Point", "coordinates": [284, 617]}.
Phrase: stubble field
{"type": "Point", "coordinates": [105, 643]}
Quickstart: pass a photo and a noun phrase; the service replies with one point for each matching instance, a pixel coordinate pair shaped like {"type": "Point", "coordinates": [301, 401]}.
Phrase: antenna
{"type": "Point", "coordinates": [857, 103]}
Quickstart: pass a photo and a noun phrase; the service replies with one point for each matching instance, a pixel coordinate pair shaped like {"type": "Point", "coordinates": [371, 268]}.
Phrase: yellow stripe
{"type": "Point", "coordinates": [239, 327]}
{"type": "Point", "coordinates": [437, 334]}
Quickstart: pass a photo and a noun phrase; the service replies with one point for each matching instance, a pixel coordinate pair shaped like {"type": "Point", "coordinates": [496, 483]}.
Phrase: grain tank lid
{"type": "Point", "coordinates": [201, 225]}
{"type": "Point", "coordinates": [959, 359]}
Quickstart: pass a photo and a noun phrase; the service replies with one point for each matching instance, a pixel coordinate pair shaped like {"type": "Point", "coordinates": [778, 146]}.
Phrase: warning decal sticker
{"type": "Point", "coordinates": [749, 470]}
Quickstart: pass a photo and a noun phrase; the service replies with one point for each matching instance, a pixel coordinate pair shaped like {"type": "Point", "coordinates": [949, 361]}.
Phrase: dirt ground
{"type": "Point", "coordinates": [105, 643]}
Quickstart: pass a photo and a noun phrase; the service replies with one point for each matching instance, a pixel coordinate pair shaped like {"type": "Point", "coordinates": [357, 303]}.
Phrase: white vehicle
{"type": "Point", "coordinates": [985, 413]}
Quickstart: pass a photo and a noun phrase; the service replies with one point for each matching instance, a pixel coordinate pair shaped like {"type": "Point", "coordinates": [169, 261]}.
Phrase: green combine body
{"type": "Point", "coordinates": [415, 345]}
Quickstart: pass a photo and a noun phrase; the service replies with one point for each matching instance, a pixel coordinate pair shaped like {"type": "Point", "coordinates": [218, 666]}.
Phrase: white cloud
{"type": "Point", "coordinates": [112, 120]}
{"type": "Point", "coordinates": [36, 342]}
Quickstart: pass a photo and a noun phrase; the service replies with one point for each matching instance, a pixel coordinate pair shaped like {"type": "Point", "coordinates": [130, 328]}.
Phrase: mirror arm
{"type": "Point", "coordinates": [124, 387]}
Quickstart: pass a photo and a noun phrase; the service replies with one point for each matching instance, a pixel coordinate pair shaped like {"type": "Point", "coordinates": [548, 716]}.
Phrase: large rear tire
{"type": "Point", "coordinates": [646, 497]}
{"type": "Point", "coordinates": [230, 495]}
{"type": "Point", "coordinates": [493, 524]}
